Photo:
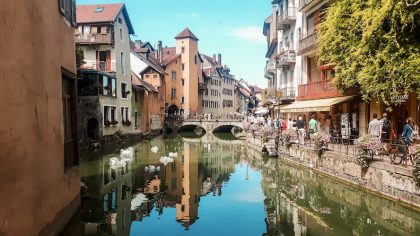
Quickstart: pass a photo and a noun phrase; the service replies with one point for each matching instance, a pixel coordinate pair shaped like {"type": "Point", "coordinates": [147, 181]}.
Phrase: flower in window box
{"type": "Point", "coordinates": [107, 123]}
{"type": "Point", "coordinates": [114, 122]}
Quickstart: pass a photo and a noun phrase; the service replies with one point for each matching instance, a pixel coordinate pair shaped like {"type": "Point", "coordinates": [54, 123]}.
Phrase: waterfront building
{"type": "Point", "coordinates": [103, 35]}
{"type": "Point", "coordinates": [38, 136]}
{"type": "Point", "coordinates": [182, 64]}
{"type": "Point", "coordinates": [212, 94]}
{"type": "Point", "coordinates": [244, 98]}
{"type": "Point", "coordinates": [149, 98]}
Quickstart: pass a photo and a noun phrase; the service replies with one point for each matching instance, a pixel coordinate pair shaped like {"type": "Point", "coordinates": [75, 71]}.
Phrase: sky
{"type": "Point", "coordinates": [230, 27]}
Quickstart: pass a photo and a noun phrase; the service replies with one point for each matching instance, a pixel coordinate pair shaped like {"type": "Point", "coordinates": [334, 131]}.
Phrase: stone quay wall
{"type": "Point", "coordinates": [392, 181]}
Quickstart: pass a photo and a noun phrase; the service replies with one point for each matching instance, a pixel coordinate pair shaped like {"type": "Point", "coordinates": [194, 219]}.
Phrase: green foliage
{"type": "Point", "coordinates": [374, 44]}
{"type": "Point", "coordinates": [79, 56]}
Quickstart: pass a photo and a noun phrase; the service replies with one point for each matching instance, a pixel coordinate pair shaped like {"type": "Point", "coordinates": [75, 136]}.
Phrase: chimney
{"type": "Point", "coordinates": [214, 58]}
{"type": "Point", "coordinates": [137, 43]}
{"type": "Point", "coordinates": [219, 60]}
{"type": "Point", "coordinates": [273, 26]}
{"type": "Point", "coordinates": [160, 56]}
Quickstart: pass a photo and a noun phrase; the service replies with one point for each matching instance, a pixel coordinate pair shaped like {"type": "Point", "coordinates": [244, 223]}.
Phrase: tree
{"type": "Point", "coordinates": [79, 57]}
{"type": "Point", "coordinates": [375, 46]}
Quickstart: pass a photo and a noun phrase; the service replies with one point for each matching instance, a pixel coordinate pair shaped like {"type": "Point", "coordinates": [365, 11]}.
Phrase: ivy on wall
{"type": "Point", "coordinates": [375, 46]}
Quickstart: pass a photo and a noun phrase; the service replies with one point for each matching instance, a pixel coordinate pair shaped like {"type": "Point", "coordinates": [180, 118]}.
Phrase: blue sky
{"type": "Point", "coordinates": [231, 27]}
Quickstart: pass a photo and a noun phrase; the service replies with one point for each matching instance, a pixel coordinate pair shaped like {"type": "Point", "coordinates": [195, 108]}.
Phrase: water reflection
{"type": "Point", "coordinates": [217, 186]}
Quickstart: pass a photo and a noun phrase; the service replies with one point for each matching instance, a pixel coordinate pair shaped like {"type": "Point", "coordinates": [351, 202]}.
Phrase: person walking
{"type": "Point", "coordinates": [301, 130]}
{"type": "Point", "coordinates": [290, 123]}
{"type": "Point", "coordinates": [375, 126]}
{"type": "Point", "coordinates": [313, 125]}
{"type": "Point", "coordinates": [385, 128]}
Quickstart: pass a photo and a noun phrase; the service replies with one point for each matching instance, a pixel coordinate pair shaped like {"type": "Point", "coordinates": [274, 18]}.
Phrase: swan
{"type": "Point", "coordinates": [165, 160]}
{"type": "Point", "coordinates": [173, 154]}
{"type": "Point", "coordinates": [154, 149]}
{"type": "Point", "coordinates": [127, 153]}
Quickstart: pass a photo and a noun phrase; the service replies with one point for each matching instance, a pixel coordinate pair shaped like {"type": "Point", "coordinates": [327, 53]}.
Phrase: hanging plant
{"type": "Point", "coordinates": [366, 146]}
{"type": "Point", "coordinates": [321, 141]}
{"type": "Point", "coordinates": [287, 136]}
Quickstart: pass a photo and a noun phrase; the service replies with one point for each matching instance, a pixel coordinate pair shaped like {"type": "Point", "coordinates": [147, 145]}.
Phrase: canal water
{"type": "Point", "coordinates": [217, 186]}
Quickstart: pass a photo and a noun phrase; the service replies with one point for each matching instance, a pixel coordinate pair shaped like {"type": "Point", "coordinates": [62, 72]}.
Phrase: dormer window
{"type": "Point", "coordinates": [99, 9]}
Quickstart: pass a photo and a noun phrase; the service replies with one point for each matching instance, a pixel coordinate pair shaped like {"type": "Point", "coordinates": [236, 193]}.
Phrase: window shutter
{"type": "Point", "coordinates": [93, 30]}
{"type": "Point", "coordinates": [108, 60]}
{"type": "Point", "coordinates": [103, 30]}
{"type": "Point", "coordinates": [97, 59]}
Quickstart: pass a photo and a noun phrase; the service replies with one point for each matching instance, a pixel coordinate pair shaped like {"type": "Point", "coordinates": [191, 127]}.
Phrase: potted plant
{"type": "Point", "coordinates": [114, 122]}
{"type": "Point", "coordinates": [107, 123]}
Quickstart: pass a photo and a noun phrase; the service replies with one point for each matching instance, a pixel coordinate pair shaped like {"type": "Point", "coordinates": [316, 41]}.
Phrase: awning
{"type": "Point", "coordinates": [261, 111]}
{"type": "Point", "coordinates": [279, 107]}
{"type": "Point", "coordinates": [314, 105]}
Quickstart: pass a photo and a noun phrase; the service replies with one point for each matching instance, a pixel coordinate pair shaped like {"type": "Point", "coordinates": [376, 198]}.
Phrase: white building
{"type": "Point", "coordinates": [103, 35]}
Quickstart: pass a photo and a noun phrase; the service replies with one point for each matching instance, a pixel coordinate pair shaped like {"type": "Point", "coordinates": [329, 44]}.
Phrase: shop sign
{"type": "Point", "coordinates": [400, 99]}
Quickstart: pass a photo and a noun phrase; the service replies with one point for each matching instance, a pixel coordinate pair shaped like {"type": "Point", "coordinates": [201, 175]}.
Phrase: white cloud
{"type": "Point", "coordinates": [193, 15]}
{"type": "Point", "coordinates": [251, 34]}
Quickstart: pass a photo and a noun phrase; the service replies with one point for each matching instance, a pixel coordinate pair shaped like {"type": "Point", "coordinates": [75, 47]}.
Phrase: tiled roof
{"type": "Point", "coordinates": [209, 59]}
{"type": "Point", "coordinates": [138, 82]}
{"type": "Point", "coordinates": [109, 13]}
{"type": "Point", "coordinates": [168, 55]}
{"type": "Point", "coordinates": [186, 33]}
{"type": "Point", "coordinates": [141, 50]}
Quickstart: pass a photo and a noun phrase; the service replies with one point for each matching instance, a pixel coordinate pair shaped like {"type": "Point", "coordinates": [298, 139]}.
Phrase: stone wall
{"type": "Point", "coordinates": [392, 181]}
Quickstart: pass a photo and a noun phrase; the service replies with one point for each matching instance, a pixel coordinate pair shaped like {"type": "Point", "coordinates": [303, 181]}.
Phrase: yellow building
{"type": "Point", "coordinates": [182, 64]}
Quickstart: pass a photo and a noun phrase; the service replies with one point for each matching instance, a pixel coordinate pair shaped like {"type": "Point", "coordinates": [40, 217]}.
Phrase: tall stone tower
{"type": "Point", "coordinates": [187, 47]}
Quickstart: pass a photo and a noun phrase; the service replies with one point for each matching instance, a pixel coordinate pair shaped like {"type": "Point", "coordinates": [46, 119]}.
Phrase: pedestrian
{"type": "Point", "coordinates": [411, 132]}
{"type": "Point", "coordinates": [313, 125]}
{"type": "Point", "coordinates": [290, 123]}
{"type": "Point", "coordinates": [385, 128]}
{"type": "Point", "coordinates": [301, 130]}
{"type": "Point", "coordinates": [283, 125]}
{"type": "Point", "coordinates": [375, 126]}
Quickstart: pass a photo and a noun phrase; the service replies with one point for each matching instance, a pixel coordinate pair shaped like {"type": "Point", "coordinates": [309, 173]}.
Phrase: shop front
{"type": "Point", "coordinates": [404, 106]}
{"type": "Point", "coordinates": [340, 116]}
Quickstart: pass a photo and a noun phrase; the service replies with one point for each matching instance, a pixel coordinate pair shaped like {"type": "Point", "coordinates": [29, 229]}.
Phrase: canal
{"type": "Point", "coordinates": [215, 185]}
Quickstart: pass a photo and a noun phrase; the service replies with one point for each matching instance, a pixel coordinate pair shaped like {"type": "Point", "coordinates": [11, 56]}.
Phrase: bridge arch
{"type": "Point", "coordinates": [225, 128]}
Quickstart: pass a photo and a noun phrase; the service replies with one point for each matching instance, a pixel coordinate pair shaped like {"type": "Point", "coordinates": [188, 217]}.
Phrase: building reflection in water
{"type": "Point", "coordinates": [298, 202]}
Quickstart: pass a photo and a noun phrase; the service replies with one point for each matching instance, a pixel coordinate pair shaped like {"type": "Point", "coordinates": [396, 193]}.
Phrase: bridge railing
{"type": "Point", "coordinates": [211, 117]}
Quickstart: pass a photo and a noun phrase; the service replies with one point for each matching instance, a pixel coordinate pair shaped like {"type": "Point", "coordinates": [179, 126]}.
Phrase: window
{"type": "Point", "coordinates": [195, 59]}
{"type": "Point", "coordinates": [183, 66]}
{"type": "Point", "coordinates": [99, 9]}
{"type": "Point", "coordinates": [120, 20]}
{"type": "Point", "coordinates": [121, 34]}
{"type": "Point", "coordinates": [183, 82]}
{"type": "Point", "coordinates": [123, 90]}
{"type": "Point", "coordinates": [124, 114]}
{"type": "Point", "coordinates": [173, 75]}
{"type": "Point", "coordinates": [122, 63]}
{"type": "Point", "coordinates": [173, 93]}
{"type": "Point", "coordinates": [69, 103]}
{"type": "Point", "coordinates": [68, 10]}
{"type": "Point", "coordinates": [182, 100]}
{"type": "Point", "coordinates": [182, 50]}
{"type": "Point", "coordinates": [155, 76]}
{"type": "Point", "coordinates": [108, 86]}
{"type": "Point", "coordinates": [135, 97]}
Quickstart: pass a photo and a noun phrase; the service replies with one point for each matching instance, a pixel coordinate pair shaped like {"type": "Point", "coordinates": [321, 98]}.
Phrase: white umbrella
{"type": "Point", "coordinates": [138, 200]}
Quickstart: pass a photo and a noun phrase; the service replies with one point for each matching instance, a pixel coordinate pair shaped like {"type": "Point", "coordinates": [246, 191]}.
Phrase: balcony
{"type": "Point", "coordinates": [305, 5]}
{"type": "Point", "coordinates": [287, 17]}
{"type": "Point", "coordinates": [286, 58]}
{"type": "Point", "coordinates": [288, 93]}
{"type": "Point", "coordinates": [94, 38]}
{"type": "Point", "coordinates": [307, 43]}
{"type": "Point", "coordinates": [270, 69]}
{"type": "Point", "coordinates": [317, 90]}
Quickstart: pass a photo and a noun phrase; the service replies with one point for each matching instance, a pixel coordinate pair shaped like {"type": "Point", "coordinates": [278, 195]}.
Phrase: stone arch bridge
{"type": "Point", "coordinates": [210, 126]}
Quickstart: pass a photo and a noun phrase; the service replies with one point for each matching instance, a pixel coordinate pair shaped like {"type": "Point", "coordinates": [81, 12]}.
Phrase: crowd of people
{"type": "Point", "coordinates": [385, 130]}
